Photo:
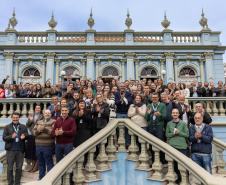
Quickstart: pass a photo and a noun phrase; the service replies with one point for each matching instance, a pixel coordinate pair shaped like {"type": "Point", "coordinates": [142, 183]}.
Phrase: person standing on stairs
{"type": "Point", "coordinates": [31, 148]}
{"type": "Point", "coordinates": [177, 132]}
{"type": "Point", "coordinates": [14, 136]}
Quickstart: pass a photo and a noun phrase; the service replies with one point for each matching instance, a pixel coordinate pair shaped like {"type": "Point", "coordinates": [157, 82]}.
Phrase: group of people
{"type": "Point", "coordinates": [85, 108]}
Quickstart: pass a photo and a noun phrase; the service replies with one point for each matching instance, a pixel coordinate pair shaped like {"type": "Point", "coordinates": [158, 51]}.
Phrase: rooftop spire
{"type": "Point", "coordinates": [91, 20]}
{"type": "Point", "coordinates": [52, 23]}
{"type": "Point", "coordinates": [165, 23]}
{"type": "Point", "coordinates": [128, 22]}
{"type": "Point", "coordinates": [12, 21]}
{"type": "Point", "coordinates": [203, 21]}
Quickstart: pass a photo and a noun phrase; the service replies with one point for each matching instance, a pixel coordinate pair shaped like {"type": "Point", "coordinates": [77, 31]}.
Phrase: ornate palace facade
{"type": "Point", "coordinates": [39, 56]}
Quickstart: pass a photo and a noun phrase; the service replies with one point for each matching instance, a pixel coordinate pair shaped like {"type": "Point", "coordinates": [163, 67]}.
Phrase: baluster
{"type": "Point", "coordinates": [184, 175]}
{"type": "Point", "coordinates": [90, 166]}
{"type": "Point", "coordinates": [66, 177]}
{"type": "Point", "coordinates": [133, 148]}
{"type": "Point", "coordinates": [101, 39]}
{"type": "Point", "coordinates": [76, 39]}
{"type": "Point", "coordinates": [102, 157]}
{"type": "Point", "coordinates": [45, 106]}
{"type": "Point", "coordinates": [10, 108]}
{"type": "Point", "coordinates": [111, 149]}
{"type": "Point", "coordinates": [28, 164]}
{"type": "Point", "coordinates": [157, 165]}
{"type": "Point", "coordinates": [221, 108]}
{"type": "Point", "coordinates": [221, 162]}
{"type": "Point", "coordinates": [123, 40]}
{"type": "Point", "coordinates": [37, 39]}
{"type": "Point", "coordinates": [208, 110]}
{"type": "Point", "coordinates": [171, 176]}
{"type": "Point", "coordinates": [196, 181]}
{"type": "Point", "coordinates": [193, 38]}
{"type": "Point", "coordinates": [41, 38]}
{"type": "Point", "coordinates": [172, 38]}
{"type": "Point", "coordinates": [80, 39]}
{"type": "Point", "coordinates": [160, 38]}
{"type": "Point", "coordinates": [31, 111]}
{"type": "Point", "coordinates": [121, 139]}
{"type": "Point", "coordinates": [109, 38]}
{"type": "Point", "coordinates": [78, 177]}
{"type": "Point", "coordinates": [176, 38]}
{"type": "Point", "coordinates": [63, 38]}
{"type": "Point", "coordinates": [185, 38]}
{"type": "Point", "coordinates": [105, 39]}
{"type": "Point", "coordinates": [181, 38]}
{"type": "Point", "coordinates": [198, 39]}
{"type": "Point", "coordinates": [152, 38]}
{"type": "Point", "coordinates": [4, 110]}
{"type": "Point", "coordinates": [143, 157]}
{"type": "Point", "coordinates": [28, 39]}
{"type": "Point", "coordinates": [118, 40]}
{"type": "Point", "coordinates": [189, 38]}
{"type": "Point", "coordinates": [32, 39]}
{"type": "Point", "coordinates": [143, 38]}
{"type": "Point", "coordinates": [113, 38]}
{"type": "Point", "coordinates": [193, 102]}
{"type": "Point", "coordinates": [96, 38]}
{"type": "Point", "coordinates": [134, 38]}
{"type": "Point", "coordinates": [46, 39]}
{"type": "Point", "coordinates": [67, 39]}
{"type": "Point", "coordinates": [18, 107]}
{"type": "Point", "coordinates": [24, 111]}
{"type": "Point", "coordinates": [215, 111]}
{"type": "Point", "coordinates": [4, 173]}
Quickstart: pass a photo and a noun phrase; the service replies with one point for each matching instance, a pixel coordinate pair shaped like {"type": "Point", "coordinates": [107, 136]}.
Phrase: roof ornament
{"type": "Point", "coordinates": [91, 20]}
{"type": "Point", "coordinates": [165, 23]}
{"type": "Point", "coordinates": [128, 22]}
{"type": "Point", "coordinates": [52, 23]}
{"type": "Point", "coordinates": [12, 21]}
{"type": "Point", "coordinates": [203, 21]}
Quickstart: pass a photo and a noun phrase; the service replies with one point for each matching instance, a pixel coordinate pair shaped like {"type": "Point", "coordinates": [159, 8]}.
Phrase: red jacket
{"type": "Point", "coordinates": [69, 128]}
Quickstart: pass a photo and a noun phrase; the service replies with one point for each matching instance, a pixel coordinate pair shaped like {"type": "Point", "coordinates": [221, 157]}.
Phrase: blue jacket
{"type": "Point", "coordinates": [205, 145]}
{"type": "Point", "coordinates": [122, 108]}
{"type": "Point", "coordinates": [51, 108]}
{"type": "Point", "coordinates": [23, 93]}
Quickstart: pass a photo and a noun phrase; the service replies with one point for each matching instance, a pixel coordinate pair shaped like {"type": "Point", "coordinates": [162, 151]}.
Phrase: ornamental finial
{"type": "Point", "coordinates": [52, 23]}
{"type": "Point", "coordinates": [203, 21]}
{"type": "Point", "coordinates": [165, 23]}
{"type": "Point", "coordinates": [91, 20]}
{"type": "Point", "coordinates": [128, 22]}
{"type": "Point", "coordinates": [13, 20]}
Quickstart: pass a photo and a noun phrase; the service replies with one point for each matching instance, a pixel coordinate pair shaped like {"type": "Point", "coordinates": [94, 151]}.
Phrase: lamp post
{"type": "Point", "coordinates": [62, 73]}
{"type": "Point", "coordinates": [163, 72]}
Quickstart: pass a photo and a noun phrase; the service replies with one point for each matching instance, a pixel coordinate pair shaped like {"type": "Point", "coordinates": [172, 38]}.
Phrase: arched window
{"type": "Point", "coordinates": [72, 71]}
{"type": "Point", "coordinates": [110, 72]}
{"type": "Point", "coordinates": [31, 72]}
{"type": "Point", "coordinates": [187, 72]}
{"type": "Point", "coordinates": [148, 72]}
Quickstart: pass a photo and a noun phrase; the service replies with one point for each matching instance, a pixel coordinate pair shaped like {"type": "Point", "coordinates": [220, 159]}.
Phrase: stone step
{"type": "Point", "coordinates": [29, 176]}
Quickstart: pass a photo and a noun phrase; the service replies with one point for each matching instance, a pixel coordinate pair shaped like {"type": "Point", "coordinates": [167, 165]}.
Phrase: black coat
{"type": "Point", "coordinates": [181, 112]}
{"type": "Point", "coordinates": [101, 122]}
{"type": "Point", "coordinates": [206, 118]}
{"type": "Point", "coordinates": [7, 136]}
{"type": "Point", "coordinates": [83, 132]}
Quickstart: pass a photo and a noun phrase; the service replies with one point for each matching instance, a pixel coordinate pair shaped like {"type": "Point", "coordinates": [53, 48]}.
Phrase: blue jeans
{"type": "Point", "coordinates": [62, 149]}
{"type": "Point", "coordinates": [127, 136]}
{"type": "Point", "coordinates": [45, 158]}
{"type": "Point", "coordinates": [203, 161]}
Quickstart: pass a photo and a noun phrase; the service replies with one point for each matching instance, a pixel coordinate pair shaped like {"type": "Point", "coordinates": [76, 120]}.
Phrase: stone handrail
{"type": "Point", "coordinates": [65, 166]}
{"type": "Point", "coordinates": [32, 37]}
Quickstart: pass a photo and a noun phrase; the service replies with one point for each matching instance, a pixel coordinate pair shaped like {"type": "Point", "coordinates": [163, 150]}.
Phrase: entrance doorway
{"type": "Point", "coordinates": [74, 72]}
{"type": "Point", "coordinates": [107, 80]}
{"type": "Point", "coordinates": [109, 73]}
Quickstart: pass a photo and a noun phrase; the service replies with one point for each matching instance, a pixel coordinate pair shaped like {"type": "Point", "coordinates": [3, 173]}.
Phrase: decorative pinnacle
{"type": "Point", "coordinates": [128, 22]}
{"type": "Point", "coordinates": [13, 20]}
{"type": "Point", "coordinates": [52, 23]}
{"type": "Point", "coordinates": [165, 23]}
{"type": "Point", "coordinates": [91, 20]}
{"type": "Point", "coordinates": [203, 21]}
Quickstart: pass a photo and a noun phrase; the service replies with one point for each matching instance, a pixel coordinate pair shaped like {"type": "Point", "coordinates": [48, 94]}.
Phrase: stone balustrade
{"type": "Point", "coordinates": [74, 160]}
{"type": "Point", "coordinates": [181, 37]}
{"type": "Point", "coordinates": [29, 37]}
{"type": "Point", "coordinates": [148, 37]}
{"type": "Point", "coordinates": [71, 37]}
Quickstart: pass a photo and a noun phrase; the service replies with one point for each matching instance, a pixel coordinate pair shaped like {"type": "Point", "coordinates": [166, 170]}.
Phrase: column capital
{"type": "Point", "coordinates": [110, 57]}
{"type": "Point", "coordinates": [207, 54]}
{"type": "Point", "coordinates": [149, 57]}
{"type": "Point", "coordinates": [97, 60]}
{"type": "Point", "coordinates": [8, 55]}
{"type": "Point", "coordinates": [176, 60]}
{"type": "Point", "coordinates": [90, 55]}
{"type": "Point", "coordinates": [57, 61]}
{"type": "Point", "coordinates": [30, 57]}
{"type": "Point", "coordinates": [70, 57]}
{"type": "Point", "coordinates": [83, 61]}
{"type": "Point", "coordinates": [43, 61]}
{"type": "Point", "coordinates": [123, 61]}
{"type": "Point", "coordinates": [136, 60]}
{"type": "Point", "coordinates": [17, 60]}
{"type": "Point", "coordinates": [162, 60]}
{"type": "Point", "coordinates": [169, 54]}
{"type": "Point", "coordinates": [201, 60]}
{"type": "Point", "coordinates": [130, 54]}
{"type": "Point", "coordinates": [49, 55]}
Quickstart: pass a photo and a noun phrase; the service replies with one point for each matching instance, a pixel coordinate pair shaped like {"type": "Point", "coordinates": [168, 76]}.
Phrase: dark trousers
{"type": "Point", "coordinates": [185, 152]}
{"type": "Point", "coordinates": [62, 149]}
{"type": "Point", "coordinates": [45, 158]}
{"type": "Point", "coordinates": [159, 133]}
{"type": "Point", "coordinates": [11, 157]}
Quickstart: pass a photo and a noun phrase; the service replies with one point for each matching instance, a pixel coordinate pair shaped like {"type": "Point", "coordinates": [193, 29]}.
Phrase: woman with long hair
{"type": "Point", "coordinates": [10, 93]}
{"type": "Point", "coordinates": [89, 99]}
{"type": "Point", "coordinates": [82, 94]}
{"type": "Point", "coordinates": [37, 91]}
{"type": "Point", "coordinates": [110, 100]}
{"type": "Point", "coordinates": [47, 91]}
{"type": "Point", "coordinates": [184, 90]}
{"type": "Point", "coordinates": [31, 147]}
{"type": "Point", "coordinates": [139, 89]}
{"type": "Point", "coordinates": [160, 86]}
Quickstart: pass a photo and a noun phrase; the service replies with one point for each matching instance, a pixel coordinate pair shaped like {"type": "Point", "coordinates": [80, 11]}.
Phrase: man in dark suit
{"type": "Point", "coordinates": [54, 107]}
{"type": "Point", "coordinates": [65, 83]}
{"type": "Point", "coordinates": [184, 110]}
{"type": "Point", "coordinates": [26, 93]}
{"type": "Point", "coordinates": [14, 136]}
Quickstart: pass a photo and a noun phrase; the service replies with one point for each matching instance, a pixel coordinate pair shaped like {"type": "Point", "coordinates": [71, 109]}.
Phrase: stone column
{"type": "Point", "coordinates": [83, 67]}
{"type": "Point", "coordinates": [169, 67]}
{"type": "Point", "coordinates": [50, 66]}
{"type": "Point", "coordinates": [162, 60]}
{"type": "Point", "coordinates": [9, 65]}
{"type": "Point", "coordinates": [175, 62]}
{"type": "Point", "coordinates": [209, 66]}
{"type": "Point", "coordinates": [130, 65]}
{"type": "Point", "coordinates": [123, 61]}
{"type": "Point", "coordinates": [43, 61]}
{"type": "Point", "coordinates": [97, 60]}
{"type": "Point", "coordinates": [57, 69]}
{"type": "Point", "coordinates": [90, 65]}
{"type": "Point", "coordinates": [201, 60]}
{"type": "Point", "coordinates": [136, 68]}
{"type": "Point", "coordinates": [17, 61]}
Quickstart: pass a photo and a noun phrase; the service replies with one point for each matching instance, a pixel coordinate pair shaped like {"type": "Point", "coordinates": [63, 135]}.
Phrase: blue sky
{"type": "Point", "coordinates": [110, 15]}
